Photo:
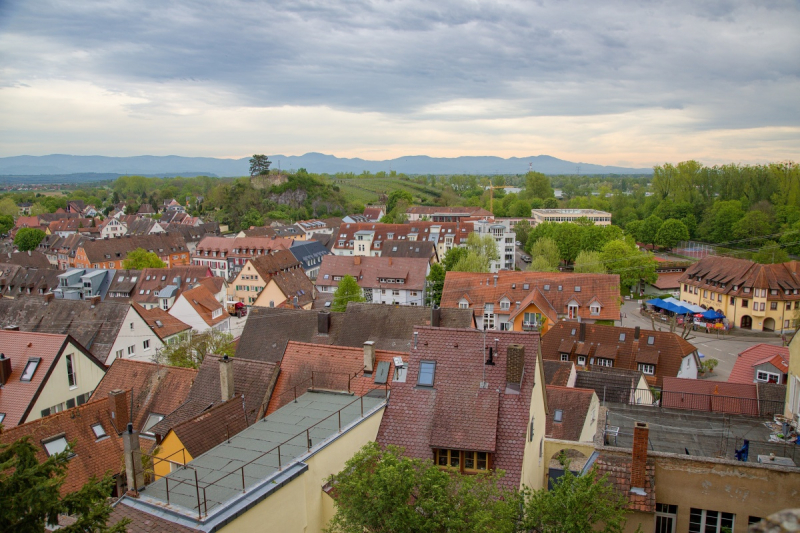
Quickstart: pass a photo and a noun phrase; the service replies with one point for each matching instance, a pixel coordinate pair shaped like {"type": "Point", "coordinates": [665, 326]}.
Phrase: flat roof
{"type": "Point", "coordinates": [569, 212]}
{"type": "Point", "coordinates": [219, 469]}
{"type": "Point", "coordinates": [702, 434]}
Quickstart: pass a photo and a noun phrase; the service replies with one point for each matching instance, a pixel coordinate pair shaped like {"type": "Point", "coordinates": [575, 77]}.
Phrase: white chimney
{"type": "Point", "coordinates": [369, 356]}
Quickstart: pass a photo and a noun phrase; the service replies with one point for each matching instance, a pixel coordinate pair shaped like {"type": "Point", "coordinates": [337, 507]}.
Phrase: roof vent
{"type": "Point", "coordinates": [5, 369]}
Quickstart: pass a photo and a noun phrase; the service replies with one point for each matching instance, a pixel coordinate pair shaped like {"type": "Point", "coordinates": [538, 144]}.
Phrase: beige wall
{"type": "Point", "coordinates": [792, 409]}
{"type": "Point", "coordinates": [57, 390]}
{"type": "Point", "coordinates": [244, 296]}
{"type": "Point", "coordinates": [301, 505]}
{"type": "Point", "coordinates": [735, 312]}
{"type": "Point", "coordinates": [271, 293]}
{"type": "Point", "coordinates": [534, 464]}
{"type": "Point", "coordinates": [590, 424]}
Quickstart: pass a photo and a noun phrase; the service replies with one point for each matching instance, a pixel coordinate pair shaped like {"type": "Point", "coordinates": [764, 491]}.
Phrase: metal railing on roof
{"type": "Point", "coordinates": [202, 504]}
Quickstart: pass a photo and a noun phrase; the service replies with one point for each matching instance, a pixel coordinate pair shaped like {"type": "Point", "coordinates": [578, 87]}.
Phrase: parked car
{"type": "Point", "coordinates": [518, 243]}
{"type": "Point", "coordinates": [237, 309]}
{"type": "Point", "coordinates": [526, 258]}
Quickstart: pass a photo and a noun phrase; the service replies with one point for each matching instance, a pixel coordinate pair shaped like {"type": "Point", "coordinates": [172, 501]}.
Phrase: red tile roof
{"type": "Point", "coordinates": [369, 270]}
{"type": "Point", "coordinates": [702, 395]}
{"type": "Point", "coordinates": [666, 351]}
{"type": "Point", "coordinates": [668, 280]}
{"type": "Point", "coordinates": [385, 232]}
{"type": "Point", "coordinates": [162, 323]}
{"type": "Point", "coordinates": [204, 303]}
{"type": "Point", "coordinates": [244, 246]}
{"type": "Point", "coordinates": [153, 280]}
{"type": "Point", "coordinates": [18, 397]}
{"type": "Point", "coordinates": [556, 288]}
{"type": "Point", "coordinates": [373, 213]}
{"type": "Point", "coordinates": [278, 261]}
{"type": "Point", "coordinates": [212, 427]}
{"type": "Point", "coordinates": [294, 284]}
{"type": "Point", "coordinates": [458, 413]}
{"type": "Point", "coordinates": [574, 406]}
{"type": "Point", "coordinates": [744, 368]}
{"type": "Point", "coordinates": [619, 476]}
{"type": "Point", "coordinates": [334, 368]}
{"type": "Point", "coordinates": [722, 274]}
{"type": "Point", "coordinates": [142, 522]}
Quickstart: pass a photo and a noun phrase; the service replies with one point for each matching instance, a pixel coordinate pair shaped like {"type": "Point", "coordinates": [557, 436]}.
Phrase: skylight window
{"type": "Point", "coordinates": [558, 416]}
{"type": "Point", "coordinates": [99, 432]}
{"type": "Point", "coordinates": [427, 369]}
{"type": "Point", "coordinates": [573, 331]}
{"type": "Point", "coordinates": [152, 420]}
{"type": "Point", "coordinates": [30, 369]}
{"type": "Point", "coordinates": [56, 445]}
{"type": "Point", "coordinates": [621, 337]}
{"type": "Point", "coordinates": [2, 417]}
{"type": "Point", "coordinates": [651, 340]}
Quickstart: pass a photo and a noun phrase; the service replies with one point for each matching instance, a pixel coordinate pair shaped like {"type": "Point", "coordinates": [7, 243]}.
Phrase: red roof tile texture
{"type": "Point", "coordinates": [619, 476]}
{"type": "Point", "coordinates": [723, 274]}
{"type": "Point", "coordinates": [368, 271]}
{"type": "Point", "coordinates": [456, 412]}
{"type": "Point", "coordinates": [204, 303]}
{"type": "Point", "coordinates": [744, 370]}
{"type": "Point", "coordinates": [574, 405]}
{"type": "Point", "coordinates": [162, 323]}
{"type": "Point", "coordinates": [713, 396]}
{"type": "Point", "coordinates": [557, 288]}
{"type": "Point", "coordinates": [212, 427]}
{"type": "Point", "coordinates": [141, 522]}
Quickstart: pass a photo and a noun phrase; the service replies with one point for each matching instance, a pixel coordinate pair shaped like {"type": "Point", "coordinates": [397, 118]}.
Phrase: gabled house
{"type": "Point", "coordinates": [200, 309]}
{"type": "Point", "coordinates": [572, 413]}
{"type": "Point", "coordinates": [415, 249]}
{"type": "Point", "coordinates": [367, 238]}
{"type": "Point", "coordinates": [761, 363]}
{"type": "Point", "coordinates": [112, 227]}
{"type": "Point", "coordinates": [257, 272]}
{"type": "Point", "coordinates": [385, 280]}
{"type": "Point", "coordinates": [532, 301]}
{"type": "Point", "coordinates": [110, 253]}
{"type": "Point", "coordinates": [226, 257]}
{"type": "Point", "coordinates": [19, 281]}
{"type": "Point", "coordinates": [169, 329]}
{"type": "Point", "coordinates": [43, 373]}
{"type": "Point", "coordinates": [159, 287]}
{"type": "Point", "coordinates": [472, 403]}
{"type": "Point", "coordinates": [309, 254]}
{"type": "Point", "coordinates": [287, 289]}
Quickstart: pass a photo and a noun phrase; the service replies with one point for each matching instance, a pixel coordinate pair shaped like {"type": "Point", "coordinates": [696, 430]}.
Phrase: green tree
{"type": "Point", "coordinates": [30, 492]}
{"type": "Point", "coordinates": [520, 208]}
{"type": "Point", "coordinates": [621, 257]}
{"type": "Point", "coordinates": [380, 490]}
{"type": "Point", "coordinates": [541, 264]}
{"type": "Point", "coordinates": [28, 239]}
{"type": "Point", "coordinates": [435, 284]}
{"type": "Point", "coordinates": [546, 249]}
{"type": "Point", "coordinates": [550, 203]}
{"type": "Point", "coordinates": [537, 185]}
{"type": "Point", "coordinates": [589, 262]}
{"type": "Point", "coordinates": [252, 219]}
{"type": "Point", "coordinates": [38, 209]}
{"type": "Point", "coordinates": [649, 230]}
{"type": "Point", "coordinates": [771, 252]}
{"type": "Point", "coordinates": [6, 223]}
{"type": "Point", "coordinates": [396, 196]}
{"type": "Point", "coordinates": [259, 164]}
{"type": "Point", "coordinates": [190, 351]}
{"type": "Point", "coordinates": [634, 229]}
{"type": "Point", "coordinates": [8, 207]}
{"type": "Point", "coordinates": [671, 232]}
{"type": "Point", "coordinates": [141, 258]}
{"type": "Point", "coordinates": [483, 245]}
{"type": "Point", "coordinates": [347, 291]}
{"type": "Point", "coordinates": [584, 503]}
{"type": "Point", "coordinates": [522, 229]}
{"type": "Point", "coordinates": [718, 221]}
{"type": "Point", "coordinates": [752, 226]}
{"type": "Point", "coordinates": [452, 257]}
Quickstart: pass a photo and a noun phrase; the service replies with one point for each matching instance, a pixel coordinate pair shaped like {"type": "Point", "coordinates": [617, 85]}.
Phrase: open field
{"type": "Point", "coordinates": [369, 190]}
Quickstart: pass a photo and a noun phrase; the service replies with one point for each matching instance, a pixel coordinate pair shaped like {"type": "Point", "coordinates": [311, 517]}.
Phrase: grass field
{"type": "Point", "coordinates": [369, 190]}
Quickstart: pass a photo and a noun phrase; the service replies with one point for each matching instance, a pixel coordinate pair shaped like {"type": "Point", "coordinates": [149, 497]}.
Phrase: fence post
{"type": "Point", "coordinates": [308, 441]}
{"type": "Point", "coordinates": [242, 469]}
{"type": "Point", "coordinates": [167, 480]}
{"type": "Point", "coordinates": [362, 406]}
{"type": "Point", "coordinates": [205, 501]}
{"type": "Point", "coordinates": [197, 488]}
{"type": "Point", "coordinates": [279, 458]}
{"type": "Point", "coordinates": [339, 412]}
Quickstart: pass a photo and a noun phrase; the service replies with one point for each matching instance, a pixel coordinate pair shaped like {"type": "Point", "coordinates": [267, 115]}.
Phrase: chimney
{"type": "Point", "coordinates": [357, 260]}
{"type": "Point", "coordinates": [636, 332]}
{"type": "Point", "coordinates": [95, 300]}
{"type": "Point", "coordinates": [49, 297]}
{"type": "Point", "coordinates": [369, 356]}
{"type": "Point", "coordinates": [323, 322]}
{"type": "Point", "coordinates": [134, 470]}
{"type": "Point", "coordinates": [516, 363]}
{"type": "Point", "coordinates": [5, 369]}
{"type": "Point", "coordinates": [226, 378]}
{"type": "Point", "coordinates": [582, 334]}
{"type": "Point", "coordinates": [118, 407]}
{"type": "Point", "coordinates": [436, 316]}
{"type": "Point", "coordinates": [390, 261]}
{"type": "Point", "coordinates": [639, 459]}
{"type": "Point", "coordinates": [495, 279]}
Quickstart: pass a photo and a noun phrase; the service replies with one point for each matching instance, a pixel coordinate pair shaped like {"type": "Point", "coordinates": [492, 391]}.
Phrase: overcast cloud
{"type": "Point", "coordinates": [623, 83]}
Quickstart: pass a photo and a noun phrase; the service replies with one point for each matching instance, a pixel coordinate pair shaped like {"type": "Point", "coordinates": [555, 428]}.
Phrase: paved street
{"type": "Point", "coordinates": [724, 348]}
{"type": "Point", "coordinates": [237, 325]}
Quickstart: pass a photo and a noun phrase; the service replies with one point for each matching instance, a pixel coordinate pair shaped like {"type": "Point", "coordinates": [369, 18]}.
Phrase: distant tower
{"type": "Point", "coordinates": [530, 167]}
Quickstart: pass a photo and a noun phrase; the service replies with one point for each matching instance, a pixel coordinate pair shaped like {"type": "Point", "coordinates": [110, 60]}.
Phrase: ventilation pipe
{"type": "Point", "coordinates": [226, 378]}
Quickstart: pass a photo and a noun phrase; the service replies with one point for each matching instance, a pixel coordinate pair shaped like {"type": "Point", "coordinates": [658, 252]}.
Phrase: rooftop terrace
{"type": "Point", "coordinates": [245, 466]}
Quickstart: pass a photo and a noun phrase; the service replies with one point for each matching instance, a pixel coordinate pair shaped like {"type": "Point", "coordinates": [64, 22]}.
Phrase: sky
{"type": "Point", "coordinates": [609, 82]}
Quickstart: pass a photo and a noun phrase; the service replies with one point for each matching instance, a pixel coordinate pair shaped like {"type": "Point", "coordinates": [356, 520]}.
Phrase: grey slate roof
{"type": "Point", "coordinates": [423, 249]}
{"type": "Point", "coordinates": [309, 253]}
{"type": "Point", "coordinates": [95, 327]}
{"type": "Point", "coordinates": [611, 387]}
{"type": "Point", "coordinates": [268, 330]}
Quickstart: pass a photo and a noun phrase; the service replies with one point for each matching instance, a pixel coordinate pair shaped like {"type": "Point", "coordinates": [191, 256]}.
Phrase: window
{"type": "Point", "coordinates": [666, 517]}
{"type": "Point", "coordinates": [751, 520]}
{"type": "Point", "coordinates": [132, 350]}
{"type": "Point", "coordinates": [762, 306]}
{"type": "Point", "coordinates": [427, 369]}
{"type": "Point", "coordinates": [621, 337]}
{"type": "Point", "coordinates": [475, 461]}
{"type": "Point", "coordinates": [99, 432]}
{"type": "Point", "coordinates": [72, 379]}
{"type": "Point", "coordinates": [594, 309]}
{"type": "Point", "coordinates": [605, 362]}
{"type": "Point", "coordinates": [448, 458]}
{"type": "Point", "coordinates": [558, 416]}
{"type": "Point", "coordinates": [703, 521]}
{"type": "Point", "coordinates": [2, 417]}
{"type": "Point", "coordinates": [146, 345]}
{"type": "Point", "coordinates": [582, 360]}
{"type": "Point", "coordinates": [505, 306]}
{"type": "Point", "coordinates": [120, 353]}
{"type": "Point", "coordinates": [30, 369]}
{"type": "Point", "coordinates": [56, 445]}
{"type": "Point", "coordinates": [647, 369]}
{"type": "Point", "coordinates": [744, 303]}
{"type": "Point", "coordinates": [767, 377]}
{"type": "Point", "coordinates": [152, 420]}
{"type": "Point", "coordinates": [565, 357]}
{"type": "Point", "coordinates": [463, 305]}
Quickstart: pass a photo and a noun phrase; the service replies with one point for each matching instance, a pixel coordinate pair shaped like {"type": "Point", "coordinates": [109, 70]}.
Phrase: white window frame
{"type": "Point", "coordinates": [704, 527]}
{"type": "Point", "coordinates": [647, 369]}
{"type": "Point", "coordinates": [766, 375]}
{"type": "Point", "coordinates": [72, 377]}
{"type": "Point", "coordinates": [565, 357]}
{"type": "Point", "coordinates": [146, 344]}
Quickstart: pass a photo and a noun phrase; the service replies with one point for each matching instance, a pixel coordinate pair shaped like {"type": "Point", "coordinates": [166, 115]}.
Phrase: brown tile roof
{"type": "Point", "coordinates": [146, 209]}
{"type": "Point", "coordinates": [204, 303]}
{"type": "Point", "coordinates": [390, 327]}
{"type": "Point", "coordinates": [254, 380]}
{"type": "Point", "coordinates": [574, 406]}
{"type": "Point", "coordinates": [28, 259]}
{"type": "Point", "coordinates": [153, 280]}
{"type": "Point", "coordinates": [610, 384]}
{"type": "Point", "coordinates": [423, 249]}
{"type": "Point", "coordinates": [369, 270]}
{"type": "Point", "coordinates": [703, 395]}
{"type": "Point", "coordinates": [156, 388]}
{"type": "Point", "coordinates": [668, 280]}
{"type": "Point", "coordinates": [246, 246]}
{"type": "Point", "coordinates": [517, 286]}
{"type": "Point", "coordinates": [557, 372]}
{"type": "Point", "coordinates": [294, 284]}
{"type": "Point", "coordinates": [212, 427]}
{"type": "Point", "coordinates": [372, 213]}
{"type": "Point", "coordinates": [260, 231]}
{"type": "Point", "coordinates": [457, 412]}
{"type": "Point", "coordinates": [715, 272]}
{"type": "Point", "coordinates": [162, 323]}
{"type": "Point", "coordinates": [123, 284]}
{"type": "Point", "coordinates": [93, 456]}
{"type": "Point", "coordinates": [337, 368]}
{"type": "Point", "coordinates": [666, 351]}
{"type": "Point", "coordinates": [278, 261]}
{"type": "Point", "coordinates": [70, 224]}
{"type": "Point", "coordinates": [142, 522]}
{"type": "Point", "coordinates": [384, 232]}
{"type": "Point", "coordinates": [18, 396]}
{"type": "Point", "coordinates": [428, 210]}
{"type": "Point", "coordinates": [16, 281]}
{"type": "Point", "coordinates": [619, 476]}
{"type": "Point", "coordinates": [744, 368]}
{"type": "Point", "coordinates": [117, 249]}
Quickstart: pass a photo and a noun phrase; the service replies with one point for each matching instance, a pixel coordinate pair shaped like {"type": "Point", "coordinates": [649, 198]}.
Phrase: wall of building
{"type": "Point", "coordinates": [135, 336]}
{"type": "Point", "coordinates": [590, 424]}
{"type": "Point", "coordinates": [173, 449]}
{"type": "Point", "coordinates": [271, 293]}
{"type": "Point", "coordinates": [792, 409]}
{"type": "Point", "coordinates": [688, 368]}
{"type": "Point", "coordinates": [57, 390]}
{"type": "Point", "coordinates": [519, 320]}
{"type": "Point", "coordinates": [246, 290]}
{"type": "Point", "coordinates": [301, 505]}
{"type": "Point", "coordinates": [782, 318]}
{"type": "Point", "coordinates": [534, 464]}
{"type": "Point", "coordinates": [183, 311]}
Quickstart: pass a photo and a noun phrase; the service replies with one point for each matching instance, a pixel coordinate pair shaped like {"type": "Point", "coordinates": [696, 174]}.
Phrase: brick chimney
{"type": "Point", "coordinates": [369, 356]}
{"type": "Point", "coordinates": [436, 316]}
{"type": "Point", "coordinates": [118, 407]}
{"type": "Point", "coordinates": [323, 322]}
{"type": "Point", "coordinates": [641, 432]}
{"type": "Point", "coordinates": [134, 470]}
{"type": "Point", "coordinates": [636, 332]}
{"type": "Point", "coordinates": [516, 363]}
{"type": "Point", "coordinates": [357, 260]}
{"type": "Point", "coordinates": [226, 378]}
{"type": "Point", "coordinates": [5, 369]}
{"type": "Point", "coordinates": [582, 333]}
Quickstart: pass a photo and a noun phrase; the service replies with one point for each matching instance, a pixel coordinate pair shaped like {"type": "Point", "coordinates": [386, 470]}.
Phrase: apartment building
{"type": "Point", "coordinates": [110, 253]}
{"type": "Point", "coordinates": [368, 239]}
{"type": "Point", "coordinates": [598, 218]}
{"type": "Point", "coordinates": [447, 214]}
{"type": "Point", "coordinates": [226, 257]}
{"type": "Point", "coordinates": [257, 273]}
{"type": "Point", "coordinates": [504, 238]}
{"type": "Point", "coordinates": [383, 280]}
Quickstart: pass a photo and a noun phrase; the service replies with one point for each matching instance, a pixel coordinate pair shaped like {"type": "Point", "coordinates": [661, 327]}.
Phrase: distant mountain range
{"type": "Point", "coordinates": [64, 165]}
